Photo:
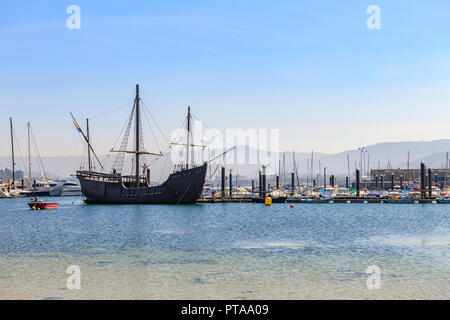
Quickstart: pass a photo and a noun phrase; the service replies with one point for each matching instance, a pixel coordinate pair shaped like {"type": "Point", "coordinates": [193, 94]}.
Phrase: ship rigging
{"type": "Point", "coordinates": [184, 185]}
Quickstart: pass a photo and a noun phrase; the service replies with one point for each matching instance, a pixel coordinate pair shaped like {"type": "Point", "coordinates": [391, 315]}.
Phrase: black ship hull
{"type": "Point", "coordinates": [183, 187]}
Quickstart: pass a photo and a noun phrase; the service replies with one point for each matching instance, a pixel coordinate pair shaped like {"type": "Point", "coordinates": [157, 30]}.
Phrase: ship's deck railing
{"type": "Point", "coordinates": [98, 176]}
{"type": "Point", "coordinates": [132, 179]}
{"type": "Point", "coordinates": [111, 178]}
{"type": "Point", "coordinates": [182, 167]}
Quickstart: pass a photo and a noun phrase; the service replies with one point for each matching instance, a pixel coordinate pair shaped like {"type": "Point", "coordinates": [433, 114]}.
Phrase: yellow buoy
{"type": "Point", "coordinates": [268, 201]}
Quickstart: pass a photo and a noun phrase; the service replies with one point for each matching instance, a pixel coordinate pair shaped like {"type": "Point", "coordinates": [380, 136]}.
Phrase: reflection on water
{"type": "Point", "coordinates": [224, 251]}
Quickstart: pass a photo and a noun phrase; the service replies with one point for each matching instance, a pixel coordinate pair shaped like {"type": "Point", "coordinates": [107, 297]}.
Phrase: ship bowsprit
{"type": "Point", "coordinates": [182, 187]}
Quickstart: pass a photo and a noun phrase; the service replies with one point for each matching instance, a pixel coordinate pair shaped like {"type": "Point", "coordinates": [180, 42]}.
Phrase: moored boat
{"type": "Point", "coordinates": [4, 194]}
{"type": "Point", "coordinates": [183, 186]}
{"type": "Point", "coordinates": [37, 204]}
{"type": "Point", "coordinates": [67, 188]}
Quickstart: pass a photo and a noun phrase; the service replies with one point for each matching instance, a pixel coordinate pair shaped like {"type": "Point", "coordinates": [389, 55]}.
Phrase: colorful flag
{"type": "Point", "coordinates": [76, 126]}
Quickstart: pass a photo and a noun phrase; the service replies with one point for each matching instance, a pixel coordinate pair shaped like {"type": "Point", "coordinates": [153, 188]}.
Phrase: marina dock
{"type": "Point", "coordinates": [333, 200]}
{"type": "Point", "coordinates": [423, 192]}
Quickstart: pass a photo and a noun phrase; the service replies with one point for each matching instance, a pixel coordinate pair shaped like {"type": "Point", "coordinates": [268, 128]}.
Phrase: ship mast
{"type": "Point", "coordinates": [88, 141]}
{"type": "Point", "coordinates": [187, 139]}
{"type": "Point", "coordinates": [12, 150]}
{"type": "Point", "coordinates": [137, 136]}
{"type": "Point", "coordinates": [29, 153]}
{"type": "Point", "coordinates": [139, 148]}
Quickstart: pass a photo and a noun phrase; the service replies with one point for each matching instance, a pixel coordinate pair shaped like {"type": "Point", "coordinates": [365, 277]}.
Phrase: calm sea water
{"type": "Point", "coordinates": [224, 251]}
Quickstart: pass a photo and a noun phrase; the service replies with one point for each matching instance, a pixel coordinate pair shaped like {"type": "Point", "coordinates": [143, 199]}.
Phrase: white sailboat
{"type": "Point", "coordinates": [36, 187]}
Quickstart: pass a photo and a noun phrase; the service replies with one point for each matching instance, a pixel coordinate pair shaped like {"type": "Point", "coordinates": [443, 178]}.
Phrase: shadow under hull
{"type": "Point", "coordinates": [183, 187]}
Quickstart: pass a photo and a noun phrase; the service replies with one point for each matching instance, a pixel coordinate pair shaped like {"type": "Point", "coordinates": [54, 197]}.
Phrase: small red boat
{"type": "Point", "coordinates": [40, 205]}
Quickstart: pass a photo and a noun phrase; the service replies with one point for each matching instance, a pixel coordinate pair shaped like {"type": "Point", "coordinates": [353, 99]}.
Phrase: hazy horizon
{"type": "Point", "coordinates": [380, 155]}
{"type": "Point", "coordinates": [23, 146]}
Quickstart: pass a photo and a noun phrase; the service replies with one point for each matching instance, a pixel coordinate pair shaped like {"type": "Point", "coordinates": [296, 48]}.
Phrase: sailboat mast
{"type": "Point", "coordinates": [280, 177]}
{"type": "Point", "coordinates": [348, 165]}
{"type": "Point", "coordinates": [29, 152]}
{"type": "Point", "coordinates": [307, 173]}
{"type": "Point", "coordinates": [408, 160]}
{"type": "Point", "coordinates": [12, 150]}
{"type": "Point", "coordinates": [137, 135]}
{"type": "Point", "coordinates": [319, 174]}
{"type": "Point", "coordinates": [89, 149]}
{"type": "Point", "coordinates": [187, 139]}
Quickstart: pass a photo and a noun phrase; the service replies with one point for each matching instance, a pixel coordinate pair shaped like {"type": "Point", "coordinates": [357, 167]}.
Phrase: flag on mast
{"type": "Point", "coordinates": [76, 126]}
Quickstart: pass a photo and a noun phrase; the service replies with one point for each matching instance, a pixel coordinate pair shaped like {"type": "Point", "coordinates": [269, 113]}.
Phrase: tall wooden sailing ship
{"type": "Point", "coordinates": [183, 186]}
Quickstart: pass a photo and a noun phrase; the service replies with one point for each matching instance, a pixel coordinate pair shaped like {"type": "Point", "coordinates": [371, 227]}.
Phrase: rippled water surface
{"type": "Point", "coordinates": [224, 251]}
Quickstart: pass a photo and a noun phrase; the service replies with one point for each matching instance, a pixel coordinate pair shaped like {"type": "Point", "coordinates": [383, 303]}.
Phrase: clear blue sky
{"type": "Point", "coordinates": [311, 68]}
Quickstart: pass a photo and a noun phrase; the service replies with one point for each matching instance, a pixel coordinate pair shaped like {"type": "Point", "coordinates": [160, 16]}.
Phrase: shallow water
{"type": "Point", "coordinates": [224, 251]}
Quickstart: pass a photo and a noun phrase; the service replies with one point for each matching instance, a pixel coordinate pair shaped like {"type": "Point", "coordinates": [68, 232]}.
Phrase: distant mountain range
{"type": "Point", "coordinates": [393, 155]}
{"type": "Point", "coordinates": [380, 155]}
